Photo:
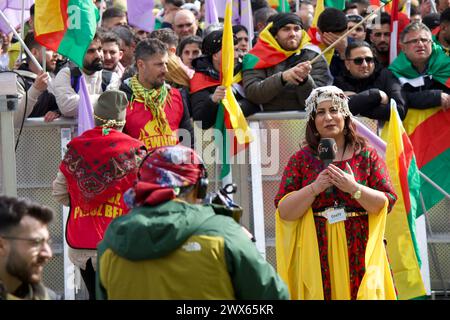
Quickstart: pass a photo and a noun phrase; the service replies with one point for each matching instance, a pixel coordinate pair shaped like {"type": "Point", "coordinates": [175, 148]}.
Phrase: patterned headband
{"type": "Point", "coordinates": [328, 93]}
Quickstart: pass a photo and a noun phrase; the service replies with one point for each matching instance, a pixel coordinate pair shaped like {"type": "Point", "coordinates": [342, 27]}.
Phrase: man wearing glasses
{"type": "Point", "coordinates": [368, 85]}
{"type": "Point", "coordinates": [24, 248]}
{"type": "Point", "coordinates": [423, 69]}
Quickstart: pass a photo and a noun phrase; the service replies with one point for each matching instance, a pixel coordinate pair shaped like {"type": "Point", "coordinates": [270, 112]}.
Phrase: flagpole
{"type": "Point", "coordinates": [437, 187]}
{"type": "Point", "coordinates": [348, 32]}
{"type": "Point", "coordinates": [44, 59]}
{"type": "Point", "coordinates": [33, 59]}
{"type": "Point", "coordinates": [22, 28]}
{"type": "Point", "coordinates": [433, 6]}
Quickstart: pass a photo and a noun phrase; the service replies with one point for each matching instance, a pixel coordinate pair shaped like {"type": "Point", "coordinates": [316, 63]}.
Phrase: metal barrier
{"type": "Point", "coordinates": [278, 135]}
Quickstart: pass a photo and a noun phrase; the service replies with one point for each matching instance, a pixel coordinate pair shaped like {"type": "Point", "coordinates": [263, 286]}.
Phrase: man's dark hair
{"type": "Point", "coordinates": [414, 10]}
{"type": "Point", "coordinates": [445, 16]}
{"type": "Point", "coordinates": [263, 14]}
{"type": "Point", "coordinates": [350, 5]}
{"type": "Point", "coordinates": [385, 18]}
{"type": "Point", "coordinates": [166, 35]}
{"type": "Point", "coordinates": [113, 12]}
{"type": "Point", "coordinates": [110, 36]}
{"type": "Point", "coordinates": [32, 10]}
{"type": "Point", "coordinates": [432, 20]}
{"type": "Point", "coordinates": [125, 33]}
{"type": "Point", "coordinates": [332, 20]}
{"type": "Point", "coordinates": [12, 211]}
{"type": "Point", "coordinates": [356, 44]}
{"type": "Point", "coordinates": [258, 4]}
{"type": "Point", "coordinates": [186, 41]}
{"type": "Point", "coordinates": [176, 3]}
{"type": "Point", "coordinates": [31, 43]}
{"type": "Point", "coordinates": [149, 47]}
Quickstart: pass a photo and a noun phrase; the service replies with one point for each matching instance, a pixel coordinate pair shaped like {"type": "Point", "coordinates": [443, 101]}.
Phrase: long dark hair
{"type": "Point", "coordinates": [312, 136]}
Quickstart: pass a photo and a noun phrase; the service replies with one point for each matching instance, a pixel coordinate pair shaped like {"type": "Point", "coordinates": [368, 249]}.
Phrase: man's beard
{"type": "Point", "coordinates": [157, 84]}
{"type": "Point", "coordinates": [94, 66]}
{"type": "Point", "coordinates": [18, 268]}
{"type": "Point", "coordinates": [383, 50]}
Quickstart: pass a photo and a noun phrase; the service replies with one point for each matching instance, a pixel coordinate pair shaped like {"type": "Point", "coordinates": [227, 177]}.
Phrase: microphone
{"type": "Point", "coordinates": [327, 150]}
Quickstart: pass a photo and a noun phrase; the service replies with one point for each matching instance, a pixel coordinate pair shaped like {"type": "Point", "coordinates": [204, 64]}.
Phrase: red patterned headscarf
{"type": "Point", "coordinates": [163, 171]}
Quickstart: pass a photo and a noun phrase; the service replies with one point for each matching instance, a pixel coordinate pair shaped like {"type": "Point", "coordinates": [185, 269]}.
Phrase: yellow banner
{"type": "Point", "coordinates": [237, 119]}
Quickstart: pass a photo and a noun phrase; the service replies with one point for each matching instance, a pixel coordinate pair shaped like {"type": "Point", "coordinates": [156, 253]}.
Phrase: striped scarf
{"type": "Point", "coordinates": [153, 100]}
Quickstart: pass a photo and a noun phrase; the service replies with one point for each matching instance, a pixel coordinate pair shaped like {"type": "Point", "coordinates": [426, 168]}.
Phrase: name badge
{"type": "Point", "coordinates": [335, 215]}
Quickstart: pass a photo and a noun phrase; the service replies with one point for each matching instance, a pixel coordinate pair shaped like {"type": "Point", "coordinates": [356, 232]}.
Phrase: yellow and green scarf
{"type": "Point", "coordinates": [153, 100]}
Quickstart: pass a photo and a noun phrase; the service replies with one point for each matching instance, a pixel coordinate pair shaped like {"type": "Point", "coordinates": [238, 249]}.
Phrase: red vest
{"type": "Point", "coordinates": [141, 125]}
{"type": "Point", "coordinates": [98, 170]}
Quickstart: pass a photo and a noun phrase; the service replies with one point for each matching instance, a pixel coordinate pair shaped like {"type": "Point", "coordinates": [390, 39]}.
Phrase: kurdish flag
{"type": "Point", "coordinates": [229, 115]}
{"type": "Point", "coordinates": [400, 227]}
{"type": "Point", "coordinates": [267, 52]}
{"type": "Point", "coordinates": [66, 26]}
{"type": "Point", "coordinates": [428, 129]}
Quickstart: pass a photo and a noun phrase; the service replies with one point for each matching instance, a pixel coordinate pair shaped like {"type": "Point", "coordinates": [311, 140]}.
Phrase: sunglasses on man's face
{"type": "Point", "coordinates": [359, 61]}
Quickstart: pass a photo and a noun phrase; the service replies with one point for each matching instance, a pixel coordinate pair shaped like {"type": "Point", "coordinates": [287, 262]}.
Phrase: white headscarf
{"type": "Point", "coordinates": [328, 93]}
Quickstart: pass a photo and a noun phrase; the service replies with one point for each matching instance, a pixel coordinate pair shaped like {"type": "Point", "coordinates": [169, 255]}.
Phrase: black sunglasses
{"type": "Point", "coordinates": [359, 61]}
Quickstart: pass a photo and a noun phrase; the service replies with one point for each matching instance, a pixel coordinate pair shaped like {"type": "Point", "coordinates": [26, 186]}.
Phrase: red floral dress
{"type": "Point", "coordinates": [369, 170]}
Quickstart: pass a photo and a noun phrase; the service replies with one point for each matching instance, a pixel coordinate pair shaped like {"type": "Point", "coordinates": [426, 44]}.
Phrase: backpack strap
{"type": "Point", "coordinates": [106, 79]}
{"type": "Point", "coordinates": [75, 76]}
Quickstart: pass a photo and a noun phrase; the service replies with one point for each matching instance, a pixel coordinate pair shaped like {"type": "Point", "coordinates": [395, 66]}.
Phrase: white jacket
{"type": "Point", "coordinates": [66, 97]}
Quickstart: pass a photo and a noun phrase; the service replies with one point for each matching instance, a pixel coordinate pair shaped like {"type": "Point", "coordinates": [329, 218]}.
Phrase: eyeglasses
{"type": "Point", "coordinates": [359, 61]}
{"type": "Point", "coordinates": [416, 41]}
{"type": "Point", "coordinates": [35, 242]}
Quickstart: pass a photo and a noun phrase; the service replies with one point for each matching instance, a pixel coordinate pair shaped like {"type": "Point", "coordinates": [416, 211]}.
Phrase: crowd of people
{"type": "Point", "coordinates": [133, 182]}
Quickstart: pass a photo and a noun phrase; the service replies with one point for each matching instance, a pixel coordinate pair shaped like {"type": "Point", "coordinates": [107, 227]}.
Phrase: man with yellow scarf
{"type": "Point", "coordinates": [277, 72]}
{"type": "Point", "coordinates": [156, 112]}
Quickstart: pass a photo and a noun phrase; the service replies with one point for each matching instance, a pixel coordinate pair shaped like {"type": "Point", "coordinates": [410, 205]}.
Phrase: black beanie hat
{"type": "Point", "coordinates": [283, 18]}
{"type": "Point", "coordinates": [212, 43]}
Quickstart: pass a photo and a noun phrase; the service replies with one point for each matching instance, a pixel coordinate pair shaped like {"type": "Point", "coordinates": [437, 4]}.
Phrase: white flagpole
{"type": "Point", "coordinates": [22, 28]}
{"type": "Point", "coordinates": [24, 46]}
{"type": "Point", "coordinates": [44, 59]}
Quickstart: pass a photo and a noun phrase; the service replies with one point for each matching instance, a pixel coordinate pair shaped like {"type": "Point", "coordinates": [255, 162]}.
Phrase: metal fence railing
{"type": "Point", "coordinates": [278, 136]}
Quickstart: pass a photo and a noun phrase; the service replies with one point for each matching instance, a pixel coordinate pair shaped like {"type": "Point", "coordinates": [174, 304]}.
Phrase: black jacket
{"type": "Point", "coordinates": [367, 100]}
{"type": "Point", "coordinates": [203, 108]}
{"type": "Point", "coordinates": [426, 96]}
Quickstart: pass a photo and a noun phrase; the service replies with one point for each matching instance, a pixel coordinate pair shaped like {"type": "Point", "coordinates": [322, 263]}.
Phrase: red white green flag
{"type": "Point", "coordinates": [428, 129]}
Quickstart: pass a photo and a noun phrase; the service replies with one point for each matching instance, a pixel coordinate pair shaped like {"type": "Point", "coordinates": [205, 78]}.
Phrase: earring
{"type": "Point", "coordinates": [316, 134]}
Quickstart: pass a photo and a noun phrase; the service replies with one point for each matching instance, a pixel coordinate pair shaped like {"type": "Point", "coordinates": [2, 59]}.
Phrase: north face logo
{"type": "Point", "coordinates": [192, 246]}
